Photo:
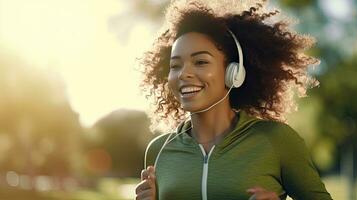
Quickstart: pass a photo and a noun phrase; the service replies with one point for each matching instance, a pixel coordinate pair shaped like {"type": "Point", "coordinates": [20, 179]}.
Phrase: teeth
{"type": "Point", "coordinates": [190, 89]}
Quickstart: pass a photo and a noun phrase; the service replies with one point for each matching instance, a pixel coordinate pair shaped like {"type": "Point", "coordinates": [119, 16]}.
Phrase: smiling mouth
{"type": "Point", "coordinates": [189, 92]}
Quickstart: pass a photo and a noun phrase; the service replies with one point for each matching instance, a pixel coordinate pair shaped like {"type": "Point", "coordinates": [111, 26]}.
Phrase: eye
{"type": "Point", "coordinates": [174, 66]}
{"type": "Point", "coordinates": [201, 62]}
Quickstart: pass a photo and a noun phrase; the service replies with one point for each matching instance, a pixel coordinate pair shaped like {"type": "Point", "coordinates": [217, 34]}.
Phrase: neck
{"type": "Point", "coordinates": [210, 125]}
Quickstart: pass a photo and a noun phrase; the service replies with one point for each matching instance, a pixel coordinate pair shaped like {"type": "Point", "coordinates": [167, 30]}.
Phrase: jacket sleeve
{"type": "Point", "coordinates": [151, 153]}
{"type": "Point", "coordinates": [300, 177]}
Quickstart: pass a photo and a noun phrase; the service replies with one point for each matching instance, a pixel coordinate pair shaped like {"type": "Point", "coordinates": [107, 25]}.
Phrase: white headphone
{"type": "Point", "coordinates": [235, 72]}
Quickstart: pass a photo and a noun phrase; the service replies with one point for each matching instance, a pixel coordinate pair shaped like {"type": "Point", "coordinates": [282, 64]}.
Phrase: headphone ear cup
{"type": "Point", "coordinates": [230, 72]}
{"type": "Point", "coordinates": [235, 75]}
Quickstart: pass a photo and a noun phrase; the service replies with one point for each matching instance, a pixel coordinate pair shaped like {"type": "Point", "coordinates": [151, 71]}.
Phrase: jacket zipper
{"type": "Point", "coordinates": [205, 171]}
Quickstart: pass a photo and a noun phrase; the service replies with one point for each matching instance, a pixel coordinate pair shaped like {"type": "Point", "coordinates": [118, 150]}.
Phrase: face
{"type": "Point", "coordinates": [197, 71]}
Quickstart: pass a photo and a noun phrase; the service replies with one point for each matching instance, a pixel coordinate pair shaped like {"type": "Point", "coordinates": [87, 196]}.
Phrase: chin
{"type": "Point", "coordinates": [193, 108]}
{"type": "Point", "coordinates": [188, 108]}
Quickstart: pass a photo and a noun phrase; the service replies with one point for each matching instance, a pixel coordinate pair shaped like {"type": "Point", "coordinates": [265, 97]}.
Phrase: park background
{"type": "Point", "coordinates": [74, 125]}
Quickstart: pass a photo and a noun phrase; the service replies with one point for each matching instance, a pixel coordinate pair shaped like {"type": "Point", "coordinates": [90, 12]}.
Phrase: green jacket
{"type": "Point", "coordinates": [256, 153]}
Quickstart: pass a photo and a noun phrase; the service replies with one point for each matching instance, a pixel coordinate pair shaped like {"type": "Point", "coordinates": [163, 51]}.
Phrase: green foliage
{"type": "Point", "coordinates": [38, 129]}
{"type": "Point", "coordinates": [332, 106]}
{"type": "Point", "coordinates": [296, 4]}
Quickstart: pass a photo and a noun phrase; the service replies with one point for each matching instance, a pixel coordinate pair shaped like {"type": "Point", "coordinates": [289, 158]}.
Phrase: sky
{"type": "Point", "coordinates": [74, 39]}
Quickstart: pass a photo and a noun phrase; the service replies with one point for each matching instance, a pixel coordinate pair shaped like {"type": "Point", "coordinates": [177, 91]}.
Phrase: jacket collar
{"type": "Point", "coordinates": [244, 123]}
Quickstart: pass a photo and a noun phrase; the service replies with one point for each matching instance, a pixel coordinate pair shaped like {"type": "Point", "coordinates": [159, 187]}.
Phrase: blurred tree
{"type": "Point", "coordinates": [338, 119]}
{"type": "Point", "coordinates": [120, 140]}
{"type": "Point", "coordinates": [296, 4]}
{"type": "Point", "coordinates": [150, 11]}
{"type": "Point", "coordinates": [38, 129]}
{"type": "Point", "coordinates": [334, 23]}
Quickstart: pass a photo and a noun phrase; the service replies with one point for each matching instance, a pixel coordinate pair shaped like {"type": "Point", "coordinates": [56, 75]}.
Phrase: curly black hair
{"type": "Point", "coordinates": [274, 58]}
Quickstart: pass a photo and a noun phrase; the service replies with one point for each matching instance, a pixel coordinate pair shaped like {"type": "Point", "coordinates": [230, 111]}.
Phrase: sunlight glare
{"type": "Point", "coordinates": [73, 38]}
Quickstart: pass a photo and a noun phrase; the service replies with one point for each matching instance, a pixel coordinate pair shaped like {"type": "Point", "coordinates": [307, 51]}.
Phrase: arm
{"type": "Point", "coordinates": [300, 177]}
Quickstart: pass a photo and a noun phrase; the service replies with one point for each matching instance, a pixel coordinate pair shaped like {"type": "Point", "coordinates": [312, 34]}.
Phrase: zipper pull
{"type": "Point", "coordinates": [206, 159]}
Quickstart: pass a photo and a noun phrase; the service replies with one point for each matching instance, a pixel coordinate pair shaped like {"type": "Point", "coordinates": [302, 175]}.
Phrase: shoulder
{"type": "Point", "coordinates": [277, 131]}
{"type": "Point", "coordinates": [154, 147]}
{"type": "Point", "coordinates": [157, 142]}
{"type": "Point", "coordinates": [285, 140]}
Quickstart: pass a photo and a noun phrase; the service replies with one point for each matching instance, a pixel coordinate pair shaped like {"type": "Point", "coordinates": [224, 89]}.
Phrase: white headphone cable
{"type": "Point", "coordinates": [204, 110]}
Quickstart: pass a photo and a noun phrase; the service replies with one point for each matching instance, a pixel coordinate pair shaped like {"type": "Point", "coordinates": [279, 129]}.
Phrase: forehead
{"type": "Point", "coordinates": [191, 42]}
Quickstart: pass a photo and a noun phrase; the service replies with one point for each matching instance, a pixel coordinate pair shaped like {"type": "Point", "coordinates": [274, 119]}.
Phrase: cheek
{"type": "Point", "coordinates": [171, 80]}
{"type": "Point", "coordinates": [210, 75]}
{"type": "Point", "coordinates": [215, 76]}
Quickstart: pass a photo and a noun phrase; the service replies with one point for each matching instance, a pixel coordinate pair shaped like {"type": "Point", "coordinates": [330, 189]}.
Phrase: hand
{"type": "Point", "coordinates": [146, 189]}
{"type": "Point", "coordinates": [259, 193]}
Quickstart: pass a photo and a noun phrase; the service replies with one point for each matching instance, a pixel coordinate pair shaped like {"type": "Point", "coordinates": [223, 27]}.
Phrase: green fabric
{"type": "Point", "coordinates": [256, 153]}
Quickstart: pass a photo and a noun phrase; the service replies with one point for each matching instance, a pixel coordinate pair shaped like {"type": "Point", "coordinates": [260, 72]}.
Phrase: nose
{"type": "Point", "coordinates": [186, 72]}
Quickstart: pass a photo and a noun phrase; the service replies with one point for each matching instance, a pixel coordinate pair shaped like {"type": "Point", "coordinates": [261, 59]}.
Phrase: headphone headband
{"type": "Point", "coordinates": [239, 48]}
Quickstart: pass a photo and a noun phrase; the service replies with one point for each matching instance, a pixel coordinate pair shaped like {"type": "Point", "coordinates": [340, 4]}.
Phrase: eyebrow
{"type": "Point", "coordinates": [194, 54]}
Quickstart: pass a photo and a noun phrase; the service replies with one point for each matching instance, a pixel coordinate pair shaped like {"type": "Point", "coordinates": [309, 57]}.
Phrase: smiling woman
{"type": "Point", "coordinates": [233, 73]}
{"type": "Point", "coordinates": [274, 56]}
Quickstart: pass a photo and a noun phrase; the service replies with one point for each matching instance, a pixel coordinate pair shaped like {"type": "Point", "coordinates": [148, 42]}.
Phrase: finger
{"type": "Point", "coordinates": [143, 185]}
{"type": "Point", "coordinates": [144, 174]}
{"type": "Point", "coordinates": [151, 170]}
{"type": "Point", "coordinates": [266, 196]}
{"type": "Point", "coordinates": [152, 175]}
{"type": "Point", "coordinates": [152, 181]}
{"type": "Point", "coordinates": [253, 197]}
{"type": "Point", "coordinates": [255, 189]}
{"type": "Point", "coordinates": [146, 194]}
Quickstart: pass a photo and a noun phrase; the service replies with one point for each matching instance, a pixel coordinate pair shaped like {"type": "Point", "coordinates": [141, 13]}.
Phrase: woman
{"type": "Point", "coordinates": [234, 73]}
